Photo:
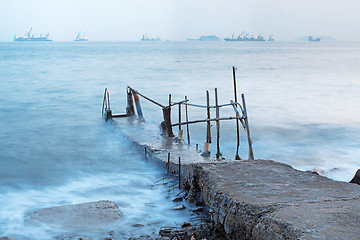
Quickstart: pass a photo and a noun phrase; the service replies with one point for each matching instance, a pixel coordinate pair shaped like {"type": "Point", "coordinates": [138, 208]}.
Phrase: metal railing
{"type": "Point", "coordinates": [167, 125]}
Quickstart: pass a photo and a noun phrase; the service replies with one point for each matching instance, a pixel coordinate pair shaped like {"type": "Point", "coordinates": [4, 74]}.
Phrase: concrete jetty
{"type": "Point", "coordinates": [257, 199]}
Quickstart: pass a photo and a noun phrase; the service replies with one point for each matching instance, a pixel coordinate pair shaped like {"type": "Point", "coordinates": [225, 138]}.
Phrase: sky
{"type": "Point", "coordinates": [127, 20]}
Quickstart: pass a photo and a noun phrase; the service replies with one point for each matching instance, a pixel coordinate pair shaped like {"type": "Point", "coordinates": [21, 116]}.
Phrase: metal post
{"type": "Point", "coordinates": [218, 154]}
{"type": "Point", "coordinates": [138, 106]}
{"type": "Point", "coordinates": [179, 115]}
{"type": "Point", "coordinates": [237, 157]}
{"type": "Point", "coordinates": [130, 110]}
{"type": "Point", "coordinates": [187, 121]}
{"type": "Point", "coordinates": [166, 124]}
{"type": "Point", "coordinates": [179, 173]}
{"type": "Point", "coordinates": [181, 132]}
{"type": "Point", "coordinates": [208, 132]}
{"type": "Point", "coordinates": [251, 153]}
{"type": "Point", "coordinates": [168, 163]}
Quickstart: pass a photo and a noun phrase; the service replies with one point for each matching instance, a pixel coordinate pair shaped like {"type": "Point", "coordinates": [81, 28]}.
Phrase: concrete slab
{"type": "Point", "coordinates": [79, 216]}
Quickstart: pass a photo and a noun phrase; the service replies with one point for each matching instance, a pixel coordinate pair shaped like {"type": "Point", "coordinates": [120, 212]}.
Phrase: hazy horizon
{"type": "Point", "coordinates": [128, 20]}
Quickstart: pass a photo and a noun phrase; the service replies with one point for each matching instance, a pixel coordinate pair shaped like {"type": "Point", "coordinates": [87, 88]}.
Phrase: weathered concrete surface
{"type": "Point", "coordinates": [83, 215]}
{"type": "Point", "coordinates": [261, 199]}
{"type": "Point", "coordinates": [269, 200]}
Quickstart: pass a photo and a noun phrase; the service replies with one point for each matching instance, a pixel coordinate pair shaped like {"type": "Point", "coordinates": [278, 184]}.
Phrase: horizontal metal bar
{"type": "Point", "coordinates": [120, 115]}
{"type": "Point", "coordinates": [206, 120]}
{"type": "Point", "coordinates": [177, 103]}
{"type": "Point", "coordinates": [226, 104]}
{"type": "Point", "coordinates": [200, 106]}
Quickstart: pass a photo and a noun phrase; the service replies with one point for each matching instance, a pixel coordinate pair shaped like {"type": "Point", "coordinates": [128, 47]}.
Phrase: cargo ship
{"type": "Point", "coordinates": [209, 38]}
{"type": "Point", "coordinates": [311, 39]}
{"type": "Point", "coordinates": [28, 37]}
{"type": "Point", "coordinates": [145, 37]}
{"type": "Point", "coordinates": [244, 37]}
{"type": "Point", "coordinates": [81, 39]}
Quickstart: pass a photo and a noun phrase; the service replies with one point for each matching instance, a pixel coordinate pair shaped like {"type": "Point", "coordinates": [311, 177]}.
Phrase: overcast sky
{"type": "Point", "coordinates": [112, 20]}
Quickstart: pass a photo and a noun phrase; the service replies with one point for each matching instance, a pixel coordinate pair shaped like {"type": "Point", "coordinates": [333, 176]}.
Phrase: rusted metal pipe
{"type": "Point", "coordinates": [218, 154]}
{"type": "Point", "coordinates": [179, 173]}
{"type": "Point", "coordinates": [208, 130]}
{"type": "Point", "coordinates": [138, 106]}
{"type": "Point", "coordinates": [251, 153]}
{"type": "Point", "coordinates": [237, 157]}
{"type": "Point", "coordinates": [187, 120]}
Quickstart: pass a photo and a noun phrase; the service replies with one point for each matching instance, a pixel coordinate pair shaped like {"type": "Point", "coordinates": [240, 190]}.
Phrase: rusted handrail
{"type": "Point", "coordinates": [149, 99]}
{"type": "Point", "coordinates": [205, 120]}
{"type": "Point", "coordinates": [167, 126]}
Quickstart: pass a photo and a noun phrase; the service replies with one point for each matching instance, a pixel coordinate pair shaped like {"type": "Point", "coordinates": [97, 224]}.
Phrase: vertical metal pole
{"type": "Point", "coordinates": [130, 110]}
{"type": "Point", "coordinates": [187, 121]}
{"type": "Point", "coordinates": [208, 132]}
{"type": "Point", "coordinates": [104, 103]}
{"type": "Point", "coordinates": [197, 147]}
{"type": "Point", "coordinates": [167, 119]}
{"type": "Point", "coordinates": [179, 116]}
{"type": "Point", "coordinates": [181, 132]}
{"type": "Point", "coordinates": [218, 154]}
{"type": "Point", "coordinates": [108, 98]}
{"type": "Point", "coordinates": [138, 106]}
{"type": "Point", "coordinates": [237, 157]}
{"type": "Point", "coordinates": [168, 163]}
{"type": "Point", "coordinates": [251, 153]}
{"type": "Point", "coordinates": [179, 173]}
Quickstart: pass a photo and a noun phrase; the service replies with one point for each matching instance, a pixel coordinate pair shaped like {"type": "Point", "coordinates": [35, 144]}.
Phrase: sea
{"type": "Point", "coordinates": [302, 102]}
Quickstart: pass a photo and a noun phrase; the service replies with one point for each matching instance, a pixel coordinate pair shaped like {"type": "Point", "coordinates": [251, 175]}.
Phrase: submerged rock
{"type": "Point", "coordinates": [179, 207]}
{"type": "Point", "coordinates": [79, 216]}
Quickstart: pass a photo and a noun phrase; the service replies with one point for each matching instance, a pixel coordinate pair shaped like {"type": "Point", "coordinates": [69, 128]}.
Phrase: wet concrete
{"type": "Point", "coordinates": [79, 216]}
{"type": "Point", "coordinates": [260, 199]}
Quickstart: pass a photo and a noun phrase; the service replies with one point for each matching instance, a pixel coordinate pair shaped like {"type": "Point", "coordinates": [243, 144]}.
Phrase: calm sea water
{"type": "Point", "coordinates": [302, 101]}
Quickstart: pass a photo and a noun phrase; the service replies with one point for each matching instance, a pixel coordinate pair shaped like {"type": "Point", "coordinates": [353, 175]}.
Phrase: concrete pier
{"type": "Point", "coordinates": [260, 199]}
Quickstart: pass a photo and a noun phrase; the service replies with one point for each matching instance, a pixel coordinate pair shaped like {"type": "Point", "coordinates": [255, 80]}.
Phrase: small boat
{"type": "Point", "coordinates": [28, 37]}
{"type": "Point", "coordinates": [81, 39]}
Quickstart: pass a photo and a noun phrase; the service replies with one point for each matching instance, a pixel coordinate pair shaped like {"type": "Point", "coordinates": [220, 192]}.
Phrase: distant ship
{"type": "Point", "coordinates": [81, 39]}
{"type": "Point", "coordinates": [28, 37]}
{"type": "Point", "coordinates": [244, 37]}
{"type": "Point", "coordinates": [311, 39]}
{"type": "Point", "coordinates": [145, 37]}
{"type": "Point", "coordinates": [209, 38]}
{"type": "Point", "coordinates": [271, 39]}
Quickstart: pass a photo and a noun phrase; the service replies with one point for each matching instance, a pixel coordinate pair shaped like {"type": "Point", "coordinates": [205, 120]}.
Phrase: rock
{"type": "Point", "coordinates": [200, 209]}
{"type": "Point", "coordinates": [138, 225]}
{"type": "Point", "coordinates": [79, 216]}
{"type": "Point", "coordinates": [186, 224]}
{"type": "Point", "coordinates": [173, 233]}
{"type": "Point", "coordinates": [179, 207]}
{"type": "Point", "coordinates": [356, 178]}
{"type": "Point", "coordinates": [178, 199]}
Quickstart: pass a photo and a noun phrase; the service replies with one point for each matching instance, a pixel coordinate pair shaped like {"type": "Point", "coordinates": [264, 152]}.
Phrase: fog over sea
{"type": "Point", "coordinates": [302, 101]}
